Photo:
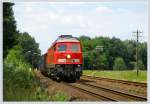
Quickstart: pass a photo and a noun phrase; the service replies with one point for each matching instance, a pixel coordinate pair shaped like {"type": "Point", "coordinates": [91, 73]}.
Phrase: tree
{"type": "Point", "coordinates": [87, 62]}
{"type": "Point", "coordinates": [112, 49]}
{"type": "Point", "coordinates": [119, 64]}
{"type": "Point", "coordinates": [83, 37]}
{"type": "Point", "coordinates": [130, 53]}
{"type": "Point", "coordinates": [143, 54]}
{"type": "Point", "coordinates": [30, 48]}
{"type": "Point", "coordinates": [141, 65]}
{"type": "Point", "coordinates": [9, 28]}
{"type": "Point", "coordinates": [102, 61]}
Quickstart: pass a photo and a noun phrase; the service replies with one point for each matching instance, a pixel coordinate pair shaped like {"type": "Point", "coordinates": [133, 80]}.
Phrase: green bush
{"type": "Point", "coordinates": [60, 96]}
{"type": "Point", "coordinates": [140, 65]}
{"type": "Point", "coordinates": [20, 83]}
{"type": "Point", "coordinates": [119, 64]}
{"type": "Point", "coordinates": [19, 80]}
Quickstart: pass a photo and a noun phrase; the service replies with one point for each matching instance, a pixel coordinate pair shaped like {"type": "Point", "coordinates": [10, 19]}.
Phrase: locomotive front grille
{"type": "Point", "coordinates": [68, 66]}
{"type": "Point", "coordinates": [69, 70]}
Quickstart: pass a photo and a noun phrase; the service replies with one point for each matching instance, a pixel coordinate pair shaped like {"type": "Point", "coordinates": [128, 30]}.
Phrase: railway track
{"type": "Point", "coordinates": [117, 81]}
{"type": "Point", "coordinates": [98, 96]}
{"type": "Point", "coordinates": [105, 93]}
{"type": "Point", "coordinates": [130, 96]}
{"type": "Point", "coordinates": [93, 91]}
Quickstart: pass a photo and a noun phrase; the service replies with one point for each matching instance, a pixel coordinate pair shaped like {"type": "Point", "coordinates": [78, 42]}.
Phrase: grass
{"type": "Point", "coordinates": [34, 94]}
{"type": "Point", "coordinates": [123, 75]}
{"type": "Point", "coordinates": [60, 96]}
{"type": "Point", "coordinates": [21, 85]}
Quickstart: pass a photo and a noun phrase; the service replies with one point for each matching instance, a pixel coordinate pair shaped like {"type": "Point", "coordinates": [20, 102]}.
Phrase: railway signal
{"type": "Point", "coordinates": [99, 48]}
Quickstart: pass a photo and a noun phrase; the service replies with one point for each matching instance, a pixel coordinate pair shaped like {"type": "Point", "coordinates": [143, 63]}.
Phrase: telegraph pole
{"type": "Point", "coordinates": [137, 41]}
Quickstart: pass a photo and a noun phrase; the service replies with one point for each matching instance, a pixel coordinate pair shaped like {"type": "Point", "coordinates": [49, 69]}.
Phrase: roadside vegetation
{"type": "Point", "coordinates": [20, 83]}
{"type": "Point", "coordinates": [21, 54]}
{"type": "Point", "coordinates": [130, 75]}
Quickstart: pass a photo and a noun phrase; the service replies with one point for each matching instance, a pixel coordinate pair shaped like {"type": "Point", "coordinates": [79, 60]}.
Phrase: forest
{"type": "Point", "coordinates": [113, 53]}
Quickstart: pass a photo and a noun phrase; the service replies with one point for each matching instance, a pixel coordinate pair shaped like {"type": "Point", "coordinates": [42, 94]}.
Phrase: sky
{"type": "Point", "coordinates": [45, 21]}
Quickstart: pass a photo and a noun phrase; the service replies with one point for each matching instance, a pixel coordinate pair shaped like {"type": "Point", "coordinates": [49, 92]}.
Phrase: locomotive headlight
{"type": "Point", "coordinates": [68, 56]}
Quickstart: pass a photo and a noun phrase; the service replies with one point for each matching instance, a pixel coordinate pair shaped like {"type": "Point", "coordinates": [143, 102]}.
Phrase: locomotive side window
{"type": "Point", "coordinates": [74, 48]}
{"type": "Point", "coordinates": [54, 48]}
{"type": "Point", "coordinates": [62, 48]}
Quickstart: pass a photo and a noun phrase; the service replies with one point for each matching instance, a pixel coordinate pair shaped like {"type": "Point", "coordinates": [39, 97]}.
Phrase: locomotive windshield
{"type": "Point", "coordinates": [62, 48]}
{"type": "Point", "coordinates": [74, 48]}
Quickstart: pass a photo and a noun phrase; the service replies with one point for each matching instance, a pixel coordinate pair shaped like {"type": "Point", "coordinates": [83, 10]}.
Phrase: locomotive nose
{"type": "Point", "coordinates": [68, 56]}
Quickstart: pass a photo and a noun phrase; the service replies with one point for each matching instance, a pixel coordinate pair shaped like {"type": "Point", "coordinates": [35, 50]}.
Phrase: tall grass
{"type": "Point", "coordinates": [124, 75]}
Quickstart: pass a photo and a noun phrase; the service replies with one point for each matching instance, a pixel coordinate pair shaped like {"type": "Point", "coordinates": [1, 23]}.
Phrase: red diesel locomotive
{"type": "Point", "coordinates": [63, 59]}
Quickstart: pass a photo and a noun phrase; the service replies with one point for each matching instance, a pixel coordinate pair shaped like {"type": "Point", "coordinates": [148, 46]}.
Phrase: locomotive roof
{"type": "Point", "coordinates": [67, 38]}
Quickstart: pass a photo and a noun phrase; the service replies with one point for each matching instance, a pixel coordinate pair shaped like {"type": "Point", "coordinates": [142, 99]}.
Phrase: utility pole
{"type": "Point", "coordinates": [137, 41]}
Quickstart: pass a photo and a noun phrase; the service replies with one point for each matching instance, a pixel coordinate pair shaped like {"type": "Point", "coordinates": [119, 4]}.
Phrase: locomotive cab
{"type": "Point", "coordinates": [64, 58]}
{"type": "Point", "coordinates": [68, 53]}
{"type": "Point", "coordinates": [68, 60]}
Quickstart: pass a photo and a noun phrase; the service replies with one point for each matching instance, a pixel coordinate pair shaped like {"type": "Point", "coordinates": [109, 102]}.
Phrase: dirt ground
{"type": "Point", "coordinates": [53, 86]}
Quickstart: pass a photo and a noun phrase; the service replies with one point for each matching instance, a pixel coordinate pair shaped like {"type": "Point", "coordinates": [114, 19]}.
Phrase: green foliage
{"type": "Point", "coordinates": [12, 37]}
{"type": "Point", "coordinates": [86, 43]}
{"type": "Point", "coordinates": [60, 96]}
{"type": "Point", "coordinates": [9, 28]}
{"type": "Point", "coordinates": [16, 71]}
{"type": "Point", "coordinates": [141, 65]}
{"type": "Point", "coordinates": [119, 64]}
{"type": "Point", "coordinates": [102, 61]}
{"type": "Point", "coordinates": [113, 48]}
{"type": "Point", "coordinates": [19, 82]}
{"type": "Point", "coordinates": [30, 48]}
{"type": "Point", "coordinates": [143, 54]}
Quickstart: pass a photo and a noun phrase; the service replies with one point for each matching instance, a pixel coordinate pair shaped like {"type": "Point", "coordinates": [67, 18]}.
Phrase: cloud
{"type": "Point", "coordinates": [53, 15]}
{"type": "Point", "coordinates": [28, 9]}
{"type": "Point", "coordinates": [67, 3]}
{"type": "Point", "coordinates": [50, 20]}
{"type": "Point", "coordinates": [72, 19]}
{"type": "Point", "coordinates": [103, 10]}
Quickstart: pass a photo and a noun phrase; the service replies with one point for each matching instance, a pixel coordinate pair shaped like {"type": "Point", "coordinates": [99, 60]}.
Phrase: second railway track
{"type": "Point", "coordinates": [106, 94]}
{"type": "Point", "coordinates": [117, 81]}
